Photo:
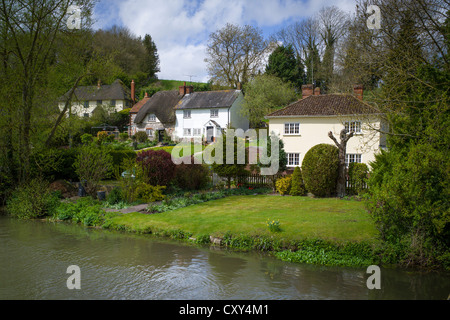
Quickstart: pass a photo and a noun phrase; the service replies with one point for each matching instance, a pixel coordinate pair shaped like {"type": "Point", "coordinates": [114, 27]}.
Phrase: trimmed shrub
{"type": "Point", "coordinates": [102, 136]}
{"type": "Point", "coordinates": [297, 185]}
{"type": "Point", "coordinates": [284, 185]}
{"type": "Point", "coordinates": [157, 165]}
{"type": "Point", "coordinates": [141, 136]}
{"type": "Point", "coordinates": [320, 169]}
{"type": "Point", "coordinates": [86, 138]}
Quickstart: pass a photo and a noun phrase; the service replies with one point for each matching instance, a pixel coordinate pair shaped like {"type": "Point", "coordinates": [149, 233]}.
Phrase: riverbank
{"type": "Point", "coordinates": [317, 231]}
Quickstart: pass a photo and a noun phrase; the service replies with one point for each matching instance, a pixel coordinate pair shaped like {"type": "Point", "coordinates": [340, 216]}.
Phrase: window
{"type": "Point", "coordinates": [352, 157]}
{"type": "Point", "coordinates": [86, 104]}
{"type": "Point", "coordinates": [86, 115]}
{"type": "Point", "coordinates": [353, 126]}
{"type": "Point", "coordinates": [197, 131]}
{"type": "Point", "coordinates": [293, 159]}
{"type": "Point", "coordinates": [186, 114]}
{"type": "Point", "coordinates": [99, 102]}
{"type": "Point", "coordinates": [151, 118]}
{"type": "Point", "coordinates": [292, 128]}
{"type": "Point", "coordinates": [214, 113]}
{"type": "Point", "coordinates": [113, 103]}
{"type": "Point", "coordinates": [149, 132]}
{"type": "Point", "coordinates": [187, 132]}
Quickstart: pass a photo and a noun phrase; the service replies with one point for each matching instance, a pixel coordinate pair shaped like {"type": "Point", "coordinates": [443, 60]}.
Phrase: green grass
{"type": "Point", "coordinates": [299, 217]}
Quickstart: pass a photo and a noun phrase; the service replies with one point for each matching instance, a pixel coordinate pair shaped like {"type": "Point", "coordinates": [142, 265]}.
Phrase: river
{"type": "Point", "coordinates": [35, 255]}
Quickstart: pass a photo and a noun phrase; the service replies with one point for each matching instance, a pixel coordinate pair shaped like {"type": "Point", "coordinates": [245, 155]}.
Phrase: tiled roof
{"type": "Point", "coordinates": [139, 105]}
{"type": "Point", "coordinates": [209, 99]}
{"type": "Point", "coordinates": [324, 105]}
{"type": "Point", "coordinates": [115, 91]}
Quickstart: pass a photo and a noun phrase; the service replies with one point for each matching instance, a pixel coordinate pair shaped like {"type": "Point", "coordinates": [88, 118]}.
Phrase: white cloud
{"type": "Point", "coordinates": [180, 28]}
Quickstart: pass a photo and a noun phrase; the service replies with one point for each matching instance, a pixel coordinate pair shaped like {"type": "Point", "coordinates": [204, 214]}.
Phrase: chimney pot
{"type": "Point", "coordinates": [133, 92]}
{"type": "Point", "coordinates": [307, 90]}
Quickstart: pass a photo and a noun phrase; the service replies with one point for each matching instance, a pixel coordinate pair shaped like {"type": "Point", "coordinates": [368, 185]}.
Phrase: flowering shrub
{"type": "Point", "coordinates": [283, 185]}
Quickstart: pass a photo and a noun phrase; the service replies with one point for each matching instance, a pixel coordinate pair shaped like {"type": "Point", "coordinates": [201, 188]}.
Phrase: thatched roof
{"type": "Point", "coordinates": [161, 104]}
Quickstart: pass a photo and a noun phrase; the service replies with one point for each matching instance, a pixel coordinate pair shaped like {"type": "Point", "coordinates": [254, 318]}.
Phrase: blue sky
{"type": "Point", "coordinates": [180, 28]}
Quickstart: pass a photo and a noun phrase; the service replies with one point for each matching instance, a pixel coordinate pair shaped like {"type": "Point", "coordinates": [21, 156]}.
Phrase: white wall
{"type": "Point", "coordinates": [314, 130]}
{"type": "Point", "coordinates": [199, 117]}
{"type": "Point", "coordinates": [79, 109]}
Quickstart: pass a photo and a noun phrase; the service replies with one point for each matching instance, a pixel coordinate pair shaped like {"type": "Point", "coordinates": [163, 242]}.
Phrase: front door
{"type": "Point", "coordinates": [160, 135]}
{"type": "Point", "coordinates": [209, 134]}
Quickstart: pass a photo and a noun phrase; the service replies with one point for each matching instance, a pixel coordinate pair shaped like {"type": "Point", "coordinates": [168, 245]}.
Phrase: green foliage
{"type": "Point", "coordinates": [123, 136]}
{"type": "Point", "coordinates": [297, 185]}
{"type": "Point", "coordinates": [102, 136]}
{"type": "Point", "coordinates": [87, 138]}
{"type": "Point", "coordinates": [409, 200]}
{"type": "Point", "coordinates": [92, 165]}
{"type": "Point", "coordinates": [265, 94]}
{"type": "Point", "coordinates": [283, 185]}
{"type": "Point", "coordinates": [315, 251]}
{"type": "Point", "coordinates": [228, 170]}
{"type": "Point", "coordinates": [149, 193]}
{"type": "Point", "coordinates": [283, 64]}
{"type": "Point", "coordinates": [114, 196]}
{"type": "Point", "coordinates": [141, 136]}
{"type": "Point", "coordinates": [86, 211]}
{"type": "Point", "coordinates": [320, 169]}
{"type": "Point", "coordinates": [358, 175]}
{"type": "Point", "coordinates": [32, 200]}
{"type": "Point", "coordinates": [191, 176]}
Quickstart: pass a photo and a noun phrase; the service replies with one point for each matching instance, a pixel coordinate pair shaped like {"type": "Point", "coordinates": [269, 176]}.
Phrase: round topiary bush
{"type": "Point", "coordinates": [320, 169]}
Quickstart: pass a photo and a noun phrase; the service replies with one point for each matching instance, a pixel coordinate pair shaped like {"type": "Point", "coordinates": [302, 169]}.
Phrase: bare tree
{"type": "Point", "coordinates": [235, 54]}
{"type": "Point", "coordinates": [342, 146]}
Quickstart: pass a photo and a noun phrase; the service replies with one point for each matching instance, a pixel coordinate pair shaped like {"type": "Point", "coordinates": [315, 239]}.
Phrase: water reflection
{"type": "Point", "coordinates": [34, 257]}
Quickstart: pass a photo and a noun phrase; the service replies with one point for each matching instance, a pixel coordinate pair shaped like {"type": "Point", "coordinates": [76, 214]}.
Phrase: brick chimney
{"type": "Point", "coordinates": [317, 91]}
{"type": "Point", "coordinates": [189, 89]}
{"type": "Point", "coordinates": [307, 90]}
{"type": "Point", "coordinates": [133, 92]}
{"type": "Point", "coordinates": [358, 90]}
{"type": "Point", "coordinates": [182, 89]}
{"type": "Point", "coordinates": [99, 84]}
{"type": "Point", "coordinates": [239, 86]}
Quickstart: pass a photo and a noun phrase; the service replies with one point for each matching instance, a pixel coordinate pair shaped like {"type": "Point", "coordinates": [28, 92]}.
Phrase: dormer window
{"type": "Point", "coordinates": [151, 118]}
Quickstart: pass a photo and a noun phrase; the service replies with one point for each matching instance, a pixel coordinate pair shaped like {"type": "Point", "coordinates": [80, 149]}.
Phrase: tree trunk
{"type": "Point", "coordinates": [342, 170]}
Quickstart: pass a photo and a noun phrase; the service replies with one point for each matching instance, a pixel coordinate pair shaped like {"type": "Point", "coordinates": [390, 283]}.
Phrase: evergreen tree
{"type": "Point", "coordinates": [284, 64]}
{"type": "Point", "coordinates": [297, 185]}
{"type": "Point", "coordinates": [151, 60]}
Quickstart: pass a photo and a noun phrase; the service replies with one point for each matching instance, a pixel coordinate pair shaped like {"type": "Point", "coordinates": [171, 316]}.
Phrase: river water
{"type": "Point", "coordinates": [35, 255]}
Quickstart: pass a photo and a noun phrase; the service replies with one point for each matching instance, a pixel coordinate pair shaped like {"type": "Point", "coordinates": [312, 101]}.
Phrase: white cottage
{"type": "Point", "coordinates": [306, 123]}
{"type": "Point", "coordinates": [86, 99]}
{"type": "Point", "coordinates": [205, 114]}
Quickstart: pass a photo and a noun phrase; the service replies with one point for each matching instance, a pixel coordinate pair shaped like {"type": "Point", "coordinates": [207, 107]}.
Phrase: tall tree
{"type": "Point", "coordinates": [235, 54]}
{"type": "Point", "coordinates": [284, 64]}
{"type": "Point", "coordinates": [151, 60]}
{"type": "Point", "coordinates": [29, 37]}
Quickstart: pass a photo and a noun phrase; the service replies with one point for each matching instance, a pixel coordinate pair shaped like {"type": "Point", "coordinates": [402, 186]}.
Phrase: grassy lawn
{"type": "Point", "coordinates": [299, 217]}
